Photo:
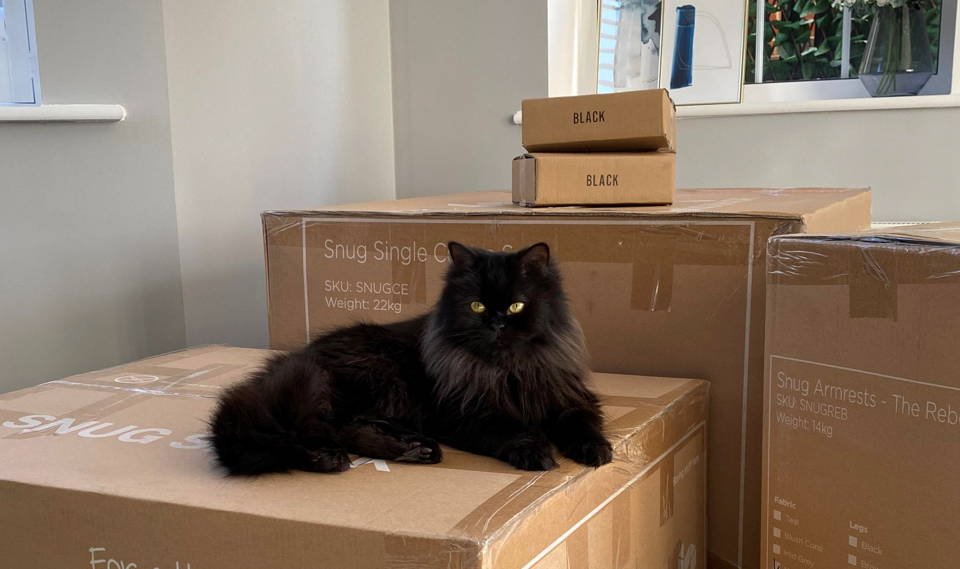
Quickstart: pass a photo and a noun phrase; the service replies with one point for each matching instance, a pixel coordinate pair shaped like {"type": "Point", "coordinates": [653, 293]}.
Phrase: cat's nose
{"type": "Point", "coordinates": [497, 326]}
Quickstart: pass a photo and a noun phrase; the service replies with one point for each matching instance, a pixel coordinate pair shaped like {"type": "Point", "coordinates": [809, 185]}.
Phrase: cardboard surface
{"type": "Point", "coordinates": [594, 178]}
{"type": "Point", "coordinates": [863, 400]}
{"type": "Point", "coordinates": [668, 291]}
{"type": "Point", "coordinates": [616, 122]}
{"type": "Point", "coordinates": [113, 465]}
{"type": "Point", "coordinates": [820, 209]}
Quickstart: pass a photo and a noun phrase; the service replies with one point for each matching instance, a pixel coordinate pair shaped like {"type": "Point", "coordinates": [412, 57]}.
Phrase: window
{"type": "Point", "coordinates": [807, 50]}
{"type": "Point", "coordinates": [810, 50]}
{"type": "Point", "coordinates": [19, 83]}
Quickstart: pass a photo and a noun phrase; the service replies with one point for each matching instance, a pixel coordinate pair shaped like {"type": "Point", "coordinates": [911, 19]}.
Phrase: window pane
{"type": "Point", "coordinates": [934, 21]}
{"type": "Point", "coordinates": [6, 94]}
{"type": "Point", "coordinates": [17, 60]}
{"type": "Point", "coordinates": [629, 56]}
{"type": "Point", "coordinates": [803, 39]}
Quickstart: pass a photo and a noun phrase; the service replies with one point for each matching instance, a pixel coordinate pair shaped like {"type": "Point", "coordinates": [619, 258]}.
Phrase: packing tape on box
{"type": "Point", "coordinates": [645, 439]}
{"type": "Point", "coordinates": [278, 227]}
{"type": "Point", "coordinates": [872, 269]}
{"type": "Point", "coordinates": [578, 547]}
{"type": "Point", "coordinates": [653, 249]}
{"type": "Point", "coordinates": [124, 387]}
{"type": "Point", "coordinates": [666, 489]}
{"type": "Point", "coordinates": [406, 552]}
{"type": "Point", "coordinates": [607, 503]}
{"type": "Point", "coordinates": [873, 293]}
{"type": "Point", "coordinates": [639, 452]}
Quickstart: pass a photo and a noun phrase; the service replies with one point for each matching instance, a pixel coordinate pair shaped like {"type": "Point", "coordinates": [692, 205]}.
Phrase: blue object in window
{"type": "Point", "coordinates": [682, 74]}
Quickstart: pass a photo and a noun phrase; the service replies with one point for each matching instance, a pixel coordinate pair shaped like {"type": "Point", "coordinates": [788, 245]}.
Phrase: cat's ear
{"type": "Point", "coordinates": [460, 255]}
{"type": "Point", "coordinates": [535, 256]}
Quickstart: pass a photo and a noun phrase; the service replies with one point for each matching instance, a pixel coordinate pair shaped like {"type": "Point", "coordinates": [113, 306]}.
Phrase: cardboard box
{"type": "Point", "coordinates": [639, 178]}
{"type": "Point", "coordinates": [863, 400]}
{"type": "Point", "coordinates": [112, 465]}
{"type": "Point", "coordinates": [667, 291]}
{"type": "Point", "coordinates": [617, 122]}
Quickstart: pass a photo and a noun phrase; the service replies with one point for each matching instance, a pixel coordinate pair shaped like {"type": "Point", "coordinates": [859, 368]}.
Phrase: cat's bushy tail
{"type": "Point", "coordinates": [273, 422]}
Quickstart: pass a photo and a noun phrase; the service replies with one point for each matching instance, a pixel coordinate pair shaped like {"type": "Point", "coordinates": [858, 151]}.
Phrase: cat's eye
{"type": "Point", "coordinates": [516, 308]}
{"type": "Point", "coordinates": [477, 307]}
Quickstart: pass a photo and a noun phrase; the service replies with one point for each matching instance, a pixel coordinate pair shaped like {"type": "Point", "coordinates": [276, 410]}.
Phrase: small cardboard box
{"type": "Point", "coordinates": [862, 420]}
{"type": "Point", "coordinates": [666, 291]}
{"type": "Point", "coordinates": [618, 122]}
{"type": "Point", "coordinates": [110, 469]}
{"type": "Point", "coordinates": [636, 178]}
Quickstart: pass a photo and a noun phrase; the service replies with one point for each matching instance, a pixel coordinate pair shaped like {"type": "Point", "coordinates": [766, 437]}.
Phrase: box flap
{"type": "Point", "coordinates": [816, 206]}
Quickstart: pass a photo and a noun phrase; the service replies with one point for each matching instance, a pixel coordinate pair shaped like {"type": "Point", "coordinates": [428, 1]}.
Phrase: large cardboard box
{"type": "Point", "coordinates": [615, 122]}
{"type": "Point", "coordinates": [863, 400]}
{"type": "Point", "coordinates": [667, 291]}
{"type": "Point", "coordinates": [109, 469]}
{"type": "Point", "coordinates": [594, 178]}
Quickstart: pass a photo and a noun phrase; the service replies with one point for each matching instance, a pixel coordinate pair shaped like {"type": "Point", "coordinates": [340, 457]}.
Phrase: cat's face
{"type": "Point", "coordinates": [492, 301]}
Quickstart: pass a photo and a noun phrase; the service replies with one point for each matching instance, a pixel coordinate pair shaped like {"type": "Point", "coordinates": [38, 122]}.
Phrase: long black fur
{"type": "Point", "coordinates": [510, 386]}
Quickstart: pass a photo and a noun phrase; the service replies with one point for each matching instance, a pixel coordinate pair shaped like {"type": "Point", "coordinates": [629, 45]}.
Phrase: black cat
{"type": "Point", "coordinates": [497, 368]}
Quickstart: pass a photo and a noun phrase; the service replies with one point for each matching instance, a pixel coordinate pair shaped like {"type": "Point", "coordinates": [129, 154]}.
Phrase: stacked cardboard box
{"type": "Point", "coordinates": [109, 469]}
{"type": "Point", "coordinates": [665, 291]}
{"type": "Point", "coordinates": [862, 420]}
{"type": "Point", "coordinates": [597, 149]}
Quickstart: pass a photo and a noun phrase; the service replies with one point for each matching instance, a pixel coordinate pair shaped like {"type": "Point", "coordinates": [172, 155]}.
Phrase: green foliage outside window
{"type": "Point", "coordinates": [803, 38]}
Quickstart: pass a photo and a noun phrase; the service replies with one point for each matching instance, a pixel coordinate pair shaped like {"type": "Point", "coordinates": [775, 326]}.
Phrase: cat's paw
{"type": "Point", "coordinates": [421, 450]}
{"type": "Point", "coordinates": [590, 453]}
{"type": "Point", "coordinates": [530, 455]}
{"type": "Point", "coordinates": [328, 461]}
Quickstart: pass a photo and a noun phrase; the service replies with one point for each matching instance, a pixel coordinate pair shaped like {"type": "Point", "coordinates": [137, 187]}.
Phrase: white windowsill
{"type": "Point", "coordinates": [62, 113]}
{"type": "Point", "coordinates": [866, 104]}
{"type": "Point", "coordinates": [825, 106]}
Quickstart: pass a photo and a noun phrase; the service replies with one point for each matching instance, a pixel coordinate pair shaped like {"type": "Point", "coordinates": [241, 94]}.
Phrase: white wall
{"type": "Point", "coordinates": [288, 105]}
{"type": "Point", "coordinates": [274, 105]}
{"type": "Point", "coordinates": [461, 67]}
{"type": "Point", "coordinates": [89, 270]}
{"type": "Point", "coordinates": [460, 70]}
{"type": "Point", "coordinates": [908, 157]}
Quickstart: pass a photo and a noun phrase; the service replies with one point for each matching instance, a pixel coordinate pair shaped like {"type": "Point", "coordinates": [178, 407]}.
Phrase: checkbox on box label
{"type": "Point", "coordinates": [776, 532]}
{"type": "Point", "coordinates": [776, 514]}
{"type": "Point", "coordinates": [853, 541]}
{"type": "Point", "coordinates": [776, 549]}
{"type": "Point", "coordinates": [852, 559]}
